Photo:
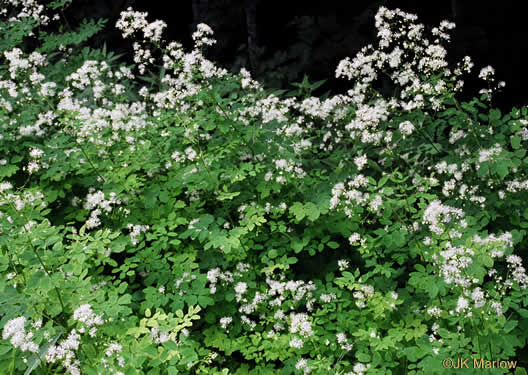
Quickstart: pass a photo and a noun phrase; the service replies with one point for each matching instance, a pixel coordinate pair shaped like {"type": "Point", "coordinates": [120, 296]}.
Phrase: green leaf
{"type": "Point", "coordinates": [164, 197]}
{"type": "Point", "coordinates": [298, 210]}
{"type": "Point", "coordinates": [495, 114]}
{"type": "Point", "coordinates": [332, 245]}
{"type": "Point", "coordinates": [516, 142]}
{"type": "Point", "coordinates": [502, 168]}
{"type": "Point", "coordinates": [312, 211]}
{"type": "Point", "coordinates": [510, 325]}
{"type": "Point", "coordinates": [483, 170]}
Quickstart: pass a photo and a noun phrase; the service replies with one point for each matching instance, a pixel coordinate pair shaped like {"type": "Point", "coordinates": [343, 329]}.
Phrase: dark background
{"type": "Point", "coordinates": [291, 38]}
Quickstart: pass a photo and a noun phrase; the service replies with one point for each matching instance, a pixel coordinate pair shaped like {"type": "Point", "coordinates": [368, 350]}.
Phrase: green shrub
{"type": "Point", "coordinates": [172, 218]}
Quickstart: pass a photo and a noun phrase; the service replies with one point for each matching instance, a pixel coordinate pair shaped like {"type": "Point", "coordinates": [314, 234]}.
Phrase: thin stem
{"type": "Point", "coordinates": [428, 138]}
{"type": "Point", "coordinates": [91, 164]}
{"type": "Point", "coordinates": [38, 255]}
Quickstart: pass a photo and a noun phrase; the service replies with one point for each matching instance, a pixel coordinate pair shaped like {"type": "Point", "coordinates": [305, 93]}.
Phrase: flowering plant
{"type": "Point", "coordinates": [196, 223]}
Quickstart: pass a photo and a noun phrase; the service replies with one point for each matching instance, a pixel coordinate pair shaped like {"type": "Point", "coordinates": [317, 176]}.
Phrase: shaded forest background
{"type": "Point", "coordinates": [281, 41]}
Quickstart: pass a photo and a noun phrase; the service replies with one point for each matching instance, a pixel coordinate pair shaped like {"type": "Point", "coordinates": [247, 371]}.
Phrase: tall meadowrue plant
{"type": "Point", "coordinates": [173, 218]}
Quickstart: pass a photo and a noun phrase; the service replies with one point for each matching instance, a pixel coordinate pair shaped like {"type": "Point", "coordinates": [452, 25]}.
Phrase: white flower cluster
{"type": "Point", "coordinates": [350, 196]}
{"type": "Point", "coordinates": [159, 337]}
{"type": "Point", "coordinates": [240, 289]}
{"type": "Point", "coordinates": [96, 202]}
{"type": "Point", "coordinates": [247, 82]}
{"type": "Point", "coordinates": [518, 272]}
{"type": "Point", "coordinates": [302, 364]}
{"type": "Point", "coordinates": [92, 75]}
{"type": "Point", "coordinates": [486, 155]}
{"type": "Point", "coordinates": [327, 298]}
{"type": "Point", "coordinates": [342, 340]}
{"type": "Point", "coordinates": [515, 185]}
{"type": "Point", "coordinates": [300, 324]}
{"type": "Point", "coordinates": [225, 321]}
{"type": "Point", "coordinates": [406, 128]}
{"type": "Point", "coordinates": [35, 129]}
{"type": "Point", "coordinates": [419, 56]}
{"type": "Point", "coordinates": [343, 264]}
{"type": "Point", "coordinates": [114, 349]}
{"type": "Point", "coordinates": [268, 109]}
{"type": "Point", "coordinates": [269, 303]}
{"type": "Point", "coordinates": [25, 199]}
{"type": "Point", "coordinates": [363, 293]}
{"type": "Point", "coordinates": [135, 231]}
{"type": "Point", "coordinates": [437, 214]}
{"type": "Point", "coordinates": [285, 168]}
{"type": "Point", "coordinates": [202, 35]}
{"type": "Point", "coordinates": [359, 369]}
{"type": "Point", "coordinates": [35, 164]}
{"type": "Point", "coordinates": [360, 161]}
{"type": "Point", "coordinates": [354, 238]}
{"type": "Point", "coordinates": [19, 64]}
{"type": "Point", "coordinates": [487, 73]}
{"type": "Point", "coordinates": [180, 78]}
{"type": "Point", "coordinates": [453, 263]}
{"type": "Point", "coordinates": [4, 186]}
{"type": "Point", "coordinates": [15, 332]}
{"type": "Point", "coordinates": [28, 9]}
{"type": "Point", "coordinates": [366, 121]}
{"type": "Point", "coordinates": [65, 353]}
{"type": "Point", "coordinates": [132, 21]}
{"type": "Point", "coordinates": [215, 275]}
{"type": "Point", "coordinates": [85, 315]}
{"type": "Point", "coordinates": [455, 136]}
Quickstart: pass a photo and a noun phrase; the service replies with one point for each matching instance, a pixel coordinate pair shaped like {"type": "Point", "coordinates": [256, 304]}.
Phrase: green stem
{"type": "Point", "coordinates": [91, 164]}
{"type": "Point", "coordinates": [13, 362]}
{"type": "Point", "coordinates": [428, 138]}
{"type": "Point", "coordinates": [38, 255]}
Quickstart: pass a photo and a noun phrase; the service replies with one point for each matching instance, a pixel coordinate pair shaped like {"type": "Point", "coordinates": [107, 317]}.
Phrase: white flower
{"type": "Point", "coordinates": [225, 321]}
{"type": "Point", "coordinates": [113, 348]}
{"type": "Point", "coordinates": [302, 363]}
{"type": "Point", "coordinates": [354, 238]}
{"type": "Point", "coordinates": [240, 289]}
{"type": "Point", "coordinates": [5, 186]}
{"type": "Point", "coordinates": [406, 128]}
{"type": "Point", "coordinates": [36, 153]}
{"type": "Point", "coordinates": [296, 343]}
{"type": "Point", "coordinates": [359, 368]}
{"type": "Point", "coordinates": [360, 161]}
{"type": "Point", "coordinates": [190, 153]}
{"type": "Point", "coordinates": [300, 324]}
{"type": "Point", "coordinates": [486, 73]}
{"type": "Point", "coordinates": [462, 304]}
{"type": "Point", "coordinates": [15, 330]}
{"type": "Point", "coordinates": [86, 315]}
{"type": "Point", "coordinates": [434, 311]}
{"type": "Point", "coordinates": [342, 264]}
{"type": "Point", "coordinates": [202, 35]}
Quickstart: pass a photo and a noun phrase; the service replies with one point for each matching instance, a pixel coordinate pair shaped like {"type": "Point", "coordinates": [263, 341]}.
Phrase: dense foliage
{"type": "Point", "coordinates": [173, 218]}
